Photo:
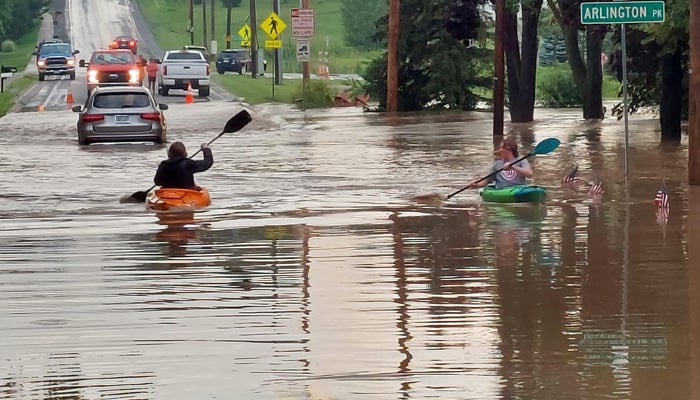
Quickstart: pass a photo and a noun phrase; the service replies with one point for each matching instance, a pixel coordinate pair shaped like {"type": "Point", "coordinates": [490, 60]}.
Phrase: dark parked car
{"type": "Point", "coordinates": [123, 42]}
{"type": "Point", "coordinates": [121, 114]}
{"type": "Point", "coordinates": [233, 60]}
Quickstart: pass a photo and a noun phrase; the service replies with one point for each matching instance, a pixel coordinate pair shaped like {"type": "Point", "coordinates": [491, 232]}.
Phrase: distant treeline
{"type": "Point", "coordinates": [17, 17]}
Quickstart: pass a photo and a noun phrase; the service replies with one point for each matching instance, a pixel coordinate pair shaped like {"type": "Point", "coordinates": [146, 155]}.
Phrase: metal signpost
{"type": "Point", "coordinates": [623, 12]}
{"type": "Point", "coordinates": [303, 29]}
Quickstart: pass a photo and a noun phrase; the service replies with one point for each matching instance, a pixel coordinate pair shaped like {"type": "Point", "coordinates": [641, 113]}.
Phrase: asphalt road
{"type": "Point", "coordinates": [90, 25]}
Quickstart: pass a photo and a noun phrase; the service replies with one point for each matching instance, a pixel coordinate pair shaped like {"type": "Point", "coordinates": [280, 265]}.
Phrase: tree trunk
{"type": "Point", "coordinates": [694, 103]}
{"type": "Point", "coordinates": [522, 67]}
{"type": "Point", "coordinates": [671, 98]}
{"type": "Point", "coordinates": [593, 91]}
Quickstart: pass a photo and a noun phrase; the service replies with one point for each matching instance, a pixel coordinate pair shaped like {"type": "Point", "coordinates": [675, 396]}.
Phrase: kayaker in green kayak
{"type": "Point", "coordinates": [512, 174]}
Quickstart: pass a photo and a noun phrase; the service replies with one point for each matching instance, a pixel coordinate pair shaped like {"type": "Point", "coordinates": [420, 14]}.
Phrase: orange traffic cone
{"type": "Point", "coordinates": [69, 98]}
{"type": "Point", "coordinates": [189, 99]}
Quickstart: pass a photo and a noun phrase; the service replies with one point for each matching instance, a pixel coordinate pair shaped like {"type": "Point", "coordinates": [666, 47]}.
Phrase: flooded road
{"type": "Point", "coordinates": [313, 275]}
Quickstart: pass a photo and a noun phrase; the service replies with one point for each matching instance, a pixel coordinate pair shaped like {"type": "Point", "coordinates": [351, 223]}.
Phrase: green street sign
{"type": "Point", "coordinates": [623, 12]}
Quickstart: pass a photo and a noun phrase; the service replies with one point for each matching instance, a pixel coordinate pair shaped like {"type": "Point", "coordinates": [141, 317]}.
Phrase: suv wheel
{"type": "Point", "coordinates": [72, 76]}
{"type": "Point", "coordinates": [41, 76]}
{"type": "Point", "coordinates": [242, 70]}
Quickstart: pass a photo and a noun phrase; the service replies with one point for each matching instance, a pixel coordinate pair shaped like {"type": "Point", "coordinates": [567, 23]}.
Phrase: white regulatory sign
{"type": "Point", "coordinates": [303, 50]}
{"type": "Point", "coordinates": [303, 22]}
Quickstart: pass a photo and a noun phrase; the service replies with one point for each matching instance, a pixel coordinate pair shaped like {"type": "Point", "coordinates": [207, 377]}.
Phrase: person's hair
{"type": "Point", "coordinates": [510, 144]}
{"type": "Point", "coordinates": [177, 150]}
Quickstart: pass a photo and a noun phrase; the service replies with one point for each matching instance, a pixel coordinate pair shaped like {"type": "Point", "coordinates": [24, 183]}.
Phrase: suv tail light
{"type": "Point", "coordinates": [151, 116]}
{"type": "Point", "coordinates": [132, 43]}
{"type": "Point", "coordinates": [114, 43]}
{"type": "Point", "coordinates": [207, 69]}
{"type": "Point", "coordinates": [165, 70]}
{"type": "Point", "coordinates": [92, 117]}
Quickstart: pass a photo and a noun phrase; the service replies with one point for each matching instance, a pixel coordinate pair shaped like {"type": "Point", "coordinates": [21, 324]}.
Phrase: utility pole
{"type": "Point", "coordinates": [204, 23]}
{"type": "Point", "coordinates": [305, 65]}
{"type": "Point", "coordinates": [213, 22]}
{"type": "Point", "coordinates": [228, 25]}
{"type": "Point", "coordinates": [499, 68]}
{"type": "Point", "coordinates": [278, 52]}
{"type": "Point", "coordinates": [694, 96]}
{"type": "Point", "coordinates": [191, 27]}
{"type": "Point", "coordinates": [392, 62]}
{"type": "Point", "coordinates": [253, 41]}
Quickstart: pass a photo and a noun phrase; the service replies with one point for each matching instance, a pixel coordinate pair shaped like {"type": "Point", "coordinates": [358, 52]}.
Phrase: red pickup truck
{"type": "Point", "coordinates": [111, 68]}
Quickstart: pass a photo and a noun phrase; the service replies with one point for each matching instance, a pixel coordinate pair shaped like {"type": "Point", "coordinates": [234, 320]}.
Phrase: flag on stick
{"type": "Point", "coordinates": [571, 177]}
{"type": "Point", "coordinates": [661, 200]}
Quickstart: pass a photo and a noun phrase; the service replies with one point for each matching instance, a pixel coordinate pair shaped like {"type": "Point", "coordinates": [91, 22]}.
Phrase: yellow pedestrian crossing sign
{"type": "Point", "coordinates": [273, 25]}
{"type": "Point", "coordinates": [244, 33]}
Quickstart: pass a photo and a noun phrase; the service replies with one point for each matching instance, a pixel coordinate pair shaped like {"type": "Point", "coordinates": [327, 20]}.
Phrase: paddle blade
{"type": "Point", "coordinates": [136, 197]}
{"type": "Point", "coordinates": [237, 122]}
{"type": "Point", "coordinates": [546, 146]}
{"type": "Point", "coordinates": [429, 198]}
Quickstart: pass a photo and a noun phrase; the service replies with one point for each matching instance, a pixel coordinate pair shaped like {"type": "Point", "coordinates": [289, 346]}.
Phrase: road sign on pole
{"type": "Point", "coordinates": [273, 25]}
{"type": "Point", "coordinates": [623, 12]}
{"type": "Point", "coordinates": [303, 22]}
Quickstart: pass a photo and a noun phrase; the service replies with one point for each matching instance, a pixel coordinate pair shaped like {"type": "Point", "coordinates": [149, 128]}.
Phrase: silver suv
{"type": "Point", "coordinates": [121, 114]}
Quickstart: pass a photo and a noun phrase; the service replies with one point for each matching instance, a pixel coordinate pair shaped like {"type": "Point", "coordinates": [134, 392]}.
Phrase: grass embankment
{"type": "Point", "coordinates": [168, 19]}
{"type": "Point", "coordinates": [18, 58]}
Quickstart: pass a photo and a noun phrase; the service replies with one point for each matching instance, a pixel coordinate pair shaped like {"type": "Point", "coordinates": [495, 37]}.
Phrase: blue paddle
{"type": "Point", "coordinates": [546, 146]}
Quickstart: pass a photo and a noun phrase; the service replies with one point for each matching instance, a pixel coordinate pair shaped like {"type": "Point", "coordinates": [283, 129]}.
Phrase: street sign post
{"type": "Point", "coordinates": [303, 22]}
{"type": "Point", "coordinates": [623, 12]}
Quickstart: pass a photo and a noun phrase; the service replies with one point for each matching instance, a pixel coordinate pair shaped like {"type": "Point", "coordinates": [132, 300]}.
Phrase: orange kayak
{"type": "Point", "coordinates": [178, 200]}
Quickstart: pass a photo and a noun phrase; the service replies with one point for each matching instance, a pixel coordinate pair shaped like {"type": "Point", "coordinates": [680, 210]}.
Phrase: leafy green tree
{"type": "Point", "coordinates": [436, 70]}
{"type": "Point", "coordinates": [358, 17]}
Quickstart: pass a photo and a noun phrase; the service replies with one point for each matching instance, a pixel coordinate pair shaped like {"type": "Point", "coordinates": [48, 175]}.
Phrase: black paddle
{"type": "Point", "coordinates": [236, 123]}
{"type": "Point", "coordinates": [546, 146]}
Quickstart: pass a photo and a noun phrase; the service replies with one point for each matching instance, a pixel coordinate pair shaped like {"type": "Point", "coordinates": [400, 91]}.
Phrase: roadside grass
{"type": "Point", "coordinates": [259, 90]}
{"type": "Point", "coordinates": [24, 47]}
{"type": "Point", "coordinates": [14, 89]}
{"type": "Point", "coordinates": [169, 18]}
{"type": "Point", "coordinates": [19, 58]}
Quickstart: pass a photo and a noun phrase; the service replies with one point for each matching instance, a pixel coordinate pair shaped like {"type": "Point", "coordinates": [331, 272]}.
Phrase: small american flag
{"type": "Point", "coordinates": [661, 199]}
{"type": "Point", "coordinates": [596, 188]}
{"type": "Point", "coordinates": [571, 177]}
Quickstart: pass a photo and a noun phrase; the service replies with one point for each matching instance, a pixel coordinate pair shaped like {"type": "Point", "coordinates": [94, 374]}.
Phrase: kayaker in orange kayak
{"type": "Point", "coordinates": [178, 170]}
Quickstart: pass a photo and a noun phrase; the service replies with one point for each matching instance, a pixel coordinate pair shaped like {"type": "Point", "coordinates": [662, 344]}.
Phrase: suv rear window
{"type": "Point", "coordinates": [121, 100]}
{"type": "Point", "coordinates": [240, 55]}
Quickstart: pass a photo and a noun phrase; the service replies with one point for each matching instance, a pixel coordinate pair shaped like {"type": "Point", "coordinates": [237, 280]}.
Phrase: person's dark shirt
{"type": "Point", "coordinates": [179, 172]}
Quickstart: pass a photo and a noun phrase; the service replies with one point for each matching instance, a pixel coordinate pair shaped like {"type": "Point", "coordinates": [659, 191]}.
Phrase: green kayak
{"type": "Point", "coordinates": [514, 194]}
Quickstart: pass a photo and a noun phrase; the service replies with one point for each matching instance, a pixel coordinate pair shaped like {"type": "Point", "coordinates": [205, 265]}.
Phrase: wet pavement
{"type": "Point", "coordinates": [313, 274]}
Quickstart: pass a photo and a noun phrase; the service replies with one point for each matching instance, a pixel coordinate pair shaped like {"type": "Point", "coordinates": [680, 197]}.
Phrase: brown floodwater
{"type": "Point", "coordinates": [313, 274]}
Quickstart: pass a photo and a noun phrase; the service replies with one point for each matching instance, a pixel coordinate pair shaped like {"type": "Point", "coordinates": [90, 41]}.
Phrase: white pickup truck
{"type": "Point", "coordinates": [180, 68]}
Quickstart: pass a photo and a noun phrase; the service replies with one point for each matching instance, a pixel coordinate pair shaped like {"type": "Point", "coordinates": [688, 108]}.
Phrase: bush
{"type": "Point", "coordinates": [8, 46]}
{"type": "Point", "coordinates": [556, 88]}
{"type": "Point", "coordinates": [318, 94]}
